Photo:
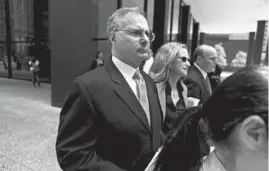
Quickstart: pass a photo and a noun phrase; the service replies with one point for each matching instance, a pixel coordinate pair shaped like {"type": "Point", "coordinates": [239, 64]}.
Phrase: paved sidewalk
{"type": "Point", "coordinates": [28, 127]}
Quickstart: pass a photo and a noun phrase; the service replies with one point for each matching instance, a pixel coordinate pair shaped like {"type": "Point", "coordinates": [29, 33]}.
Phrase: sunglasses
{"type": "Point", "coordinates": [183, 59]}
{"type": "Point", "coordinates": [140, 33]}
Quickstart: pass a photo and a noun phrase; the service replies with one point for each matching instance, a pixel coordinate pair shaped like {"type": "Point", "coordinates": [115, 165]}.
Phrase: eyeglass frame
{"type": "Point", "coordinates": [183, 59]}
{"type": "Point", "coordinates": [151, 36]}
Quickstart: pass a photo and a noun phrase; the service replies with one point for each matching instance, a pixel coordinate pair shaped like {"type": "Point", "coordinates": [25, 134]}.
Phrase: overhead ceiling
{"type": "Point", "coordinates": [229, 16]}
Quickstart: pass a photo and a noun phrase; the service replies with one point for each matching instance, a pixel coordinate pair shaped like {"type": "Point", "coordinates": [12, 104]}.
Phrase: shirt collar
{"type": "Point", "coordinates": [125, 69]}
{"type": "Point", "coordinates": [212, 163]}
{"type": "Point", "coordinates": [202, 71]}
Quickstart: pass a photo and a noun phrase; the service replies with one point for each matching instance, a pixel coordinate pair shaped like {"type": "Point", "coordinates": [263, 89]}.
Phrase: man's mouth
{"type": "Point", "coordinates": [143, 50]}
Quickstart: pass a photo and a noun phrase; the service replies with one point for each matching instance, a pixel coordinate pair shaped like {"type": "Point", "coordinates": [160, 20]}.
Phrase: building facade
{"type": "Point", "coordinates": [66, 36]}
{"type": "Point", "coordinates": [77, 36]}
{"type": "Point", "coordinates": [22, 25]}
{"type": "Point", "coordinates": [77, 31]}
{"type": "Point", "coordinates": [28, 21]}
{"type": "Point", "coordinates": [2, 28]}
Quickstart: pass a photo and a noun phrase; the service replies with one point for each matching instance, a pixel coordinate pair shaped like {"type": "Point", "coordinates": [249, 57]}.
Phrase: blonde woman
{"type": "Point", "coordinates": [170, 65]}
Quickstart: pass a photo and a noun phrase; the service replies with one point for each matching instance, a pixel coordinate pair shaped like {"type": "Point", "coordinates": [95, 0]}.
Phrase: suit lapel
{"type": "Point", "coordinates": [202, 79]}
{"type": "Point", "coordinates": [123, 90]}
{"type": "Point", "coordinates": [155, 111]}
{"type": "Point", "coordinates": [184, 94]}
{"type": "Point", "coordinates": [206, 86]}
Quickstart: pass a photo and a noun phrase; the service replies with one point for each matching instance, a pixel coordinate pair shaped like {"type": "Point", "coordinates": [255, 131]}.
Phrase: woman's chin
{"type": "Point", "coordinates": [184, 73]}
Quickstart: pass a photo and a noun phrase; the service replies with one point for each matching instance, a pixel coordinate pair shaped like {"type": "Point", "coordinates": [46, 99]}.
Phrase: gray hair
{"type": "Point", "coordinates": [113, 21]}
{"type": "Point", "coordinates": [160, 69]}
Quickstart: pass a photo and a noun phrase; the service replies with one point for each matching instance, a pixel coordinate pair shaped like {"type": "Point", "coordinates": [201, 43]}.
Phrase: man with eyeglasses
{"type": "Point", "coordinates": [111, 120]}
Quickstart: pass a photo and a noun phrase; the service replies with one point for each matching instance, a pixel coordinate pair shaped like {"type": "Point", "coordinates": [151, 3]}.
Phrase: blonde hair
{"type": "Point", "coordinates": [160, 69]}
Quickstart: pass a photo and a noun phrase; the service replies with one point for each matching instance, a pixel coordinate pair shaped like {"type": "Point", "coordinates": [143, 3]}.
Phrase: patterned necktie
{"type": "Point", "coordinates": [141, 90]}
{"type": "Point", "coordinates": [209, 85]}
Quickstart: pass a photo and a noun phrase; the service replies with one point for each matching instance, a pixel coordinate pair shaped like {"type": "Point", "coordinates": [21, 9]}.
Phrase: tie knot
{"type": "Point", "coordinates": [137, 75]}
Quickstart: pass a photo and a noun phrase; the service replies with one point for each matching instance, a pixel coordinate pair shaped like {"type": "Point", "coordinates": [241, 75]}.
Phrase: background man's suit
{"type": "Point", "coordinates": [197, 85]}
{"type": "Point", "coordinates": [104, 127]}
{"type": "Point", "coordinates": [199, 88]}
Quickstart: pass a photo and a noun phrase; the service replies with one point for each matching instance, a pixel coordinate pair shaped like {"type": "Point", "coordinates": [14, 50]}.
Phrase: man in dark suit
{"type": "Point", "coordinates": [197, 81]}
{"type": "Point", "coordinates": [111, 120]}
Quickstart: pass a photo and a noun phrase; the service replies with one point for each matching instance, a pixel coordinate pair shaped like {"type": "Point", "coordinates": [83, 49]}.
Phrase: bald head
{"type": "Point", "coordinates": [204, 50]}
{"type": "Point", "coordinates": [205, 57]}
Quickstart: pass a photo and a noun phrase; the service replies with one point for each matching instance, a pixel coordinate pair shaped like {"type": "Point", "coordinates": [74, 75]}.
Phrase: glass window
{"type": "Point", "coordinates": [191, 21]}
{"type": "Point", "coordinates": [29, 38]}
{"type": "Point", "coordinates": [176, 19]}
{"type": "Point", "coordinates": [169, 18]}
{"type": "Point", "coordinates": [3, 64]}
{"type": "Point", "coordinates": [150, 13]}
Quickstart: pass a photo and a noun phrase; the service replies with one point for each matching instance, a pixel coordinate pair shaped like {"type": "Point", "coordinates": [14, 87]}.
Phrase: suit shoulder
{"type": "Point", "coordinates": [193, 75]}
{"type": "Point", "coordinates": [192, 71]}
{"type": "Point", "coordinates": [93, 77]}
{"type": "Point", "coordinates": [190, 80]}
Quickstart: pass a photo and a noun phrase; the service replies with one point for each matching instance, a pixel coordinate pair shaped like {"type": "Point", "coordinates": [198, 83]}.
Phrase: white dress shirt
{"type": "Point", "coordinates": [127, 71]}
{"type": "Point", "coordinates": [212, 163]}
{"type": "Point", "coordinates": [162, 97]}
{"type": "Point", "coordinates": [148, 64]}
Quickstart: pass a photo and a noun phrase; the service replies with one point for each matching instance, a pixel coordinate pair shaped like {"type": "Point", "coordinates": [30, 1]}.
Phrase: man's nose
{"type": "Point", "coordinates": [144, 40]}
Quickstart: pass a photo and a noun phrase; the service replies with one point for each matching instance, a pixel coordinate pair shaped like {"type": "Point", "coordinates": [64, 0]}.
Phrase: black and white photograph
{"type": "Point", "coordinates": [134, 85]}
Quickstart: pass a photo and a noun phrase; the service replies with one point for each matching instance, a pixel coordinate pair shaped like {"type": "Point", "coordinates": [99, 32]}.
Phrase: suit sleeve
{"type": "Point", "coordinates": [193, 88]}
{"type": "Point", "coordinates": [78, 134]}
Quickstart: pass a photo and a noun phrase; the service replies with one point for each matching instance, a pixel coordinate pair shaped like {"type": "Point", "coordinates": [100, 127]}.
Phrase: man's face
{"type": "Point", "coordinates": [131, 44]}
{"type": "Point", "coordinates": [209, 60]}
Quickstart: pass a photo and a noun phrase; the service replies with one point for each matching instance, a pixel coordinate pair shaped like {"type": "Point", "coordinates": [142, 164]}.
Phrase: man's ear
{"type": "Point", "coordinates": [113, 38]}
{"type": "Point", "coordinates": [253, 132]}
{"type": "Point", "coordinates": [198, 59]}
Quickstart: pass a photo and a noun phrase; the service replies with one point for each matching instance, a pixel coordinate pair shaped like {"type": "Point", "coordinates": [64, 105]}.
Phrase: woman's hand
{"type": "Point", "coordinates": [191, 102]}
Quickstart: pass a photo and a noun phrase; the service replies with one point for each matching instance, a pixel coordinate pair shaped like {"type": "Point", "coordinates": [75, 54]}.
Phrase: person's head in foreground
{"type": "Point", "coordinates": [129, 36]}
{"type": "Point", "coordinates": [237, 115]}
